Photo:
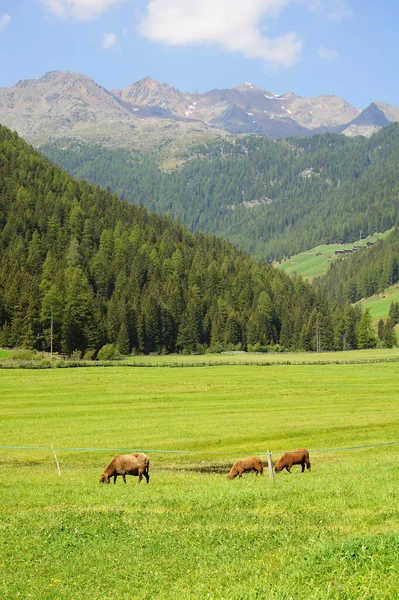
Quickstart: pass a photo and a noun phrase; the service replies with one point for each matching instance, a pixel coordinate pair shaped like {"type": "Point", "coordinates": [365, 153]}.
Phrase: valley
{"type": "Point", "coordinates": [199, 261]}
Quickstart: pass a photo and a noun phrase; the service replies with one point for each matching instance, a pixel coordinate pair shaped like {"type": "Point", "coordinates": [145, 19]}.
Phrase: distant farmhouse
{"type": "Point", "coordinates": [351, 250]}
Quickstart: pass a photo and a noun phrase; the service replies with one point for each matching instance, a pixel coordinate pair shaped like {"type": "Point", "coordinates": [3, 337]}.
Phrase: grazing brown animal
{"type": "Point", "coordinates": [127, 464]}
{"type": "Point", "coordinates": [243, 465]}
{"type": "Point", "coordinates": [297, 457]}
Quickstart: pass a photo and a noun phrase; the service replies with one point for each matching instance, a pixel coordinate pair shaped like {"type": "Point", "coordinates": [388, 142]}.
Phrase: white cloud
{"type": "Point", "coordinates": [340, 12]}
{"type": "Point", "coordinates": [109, 40]}
{"type": "Point", "coordinates": [233, 25]}
{"type": "Point", "coordinates": [334, 10]}
{"type": "Point", "coordinates": [327, 54]}
{"type": "Point", "coordinates": [79, 9]}
{"type": "Point", "coordinates": [4, 20]}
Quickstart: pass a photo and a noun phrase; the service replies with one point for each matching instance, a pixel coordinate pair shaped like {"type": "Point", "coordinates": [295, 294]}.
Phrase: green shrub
{"type": "Point", "coordinates": [46, 363]}
{"type": "Point", "coordinates": [109, 352]}
{"type": "Point", "coordinates": [89, 354]}
{"type": "Point", "coordinates": [24, 354]}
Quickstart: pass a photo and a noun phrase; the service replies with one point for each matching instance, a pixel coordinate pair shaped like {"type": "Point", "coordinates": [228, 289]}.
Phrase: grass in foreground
{"type": "Point", "coordinates": [329, 533]}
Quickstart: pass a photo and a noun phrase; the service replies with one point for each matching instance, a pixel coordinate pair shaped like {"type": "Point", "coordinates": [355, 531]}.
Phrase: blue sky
{"type": "Point", "coordinates": [310, 47]}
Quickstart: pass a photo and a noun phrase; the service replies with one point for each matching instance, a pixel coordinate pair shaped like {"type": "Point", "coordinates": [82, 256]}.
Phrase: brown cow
{"type": "Point", "coordinates": [243, 465]}
{"type": "Point", "coordinates": [300, 456]}
{"type": "Point", "coordinates": [127, 464]}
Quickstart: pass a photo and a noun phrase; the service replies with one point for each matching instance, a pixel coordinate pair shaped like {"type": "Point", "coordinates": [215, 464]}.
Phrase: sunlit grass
{"type": "Point", "coordinates": [316, 261]}
{"type": "Point", "coordinates": [329, 533]}
{"type": "Point", "coordinates": [380, 304]}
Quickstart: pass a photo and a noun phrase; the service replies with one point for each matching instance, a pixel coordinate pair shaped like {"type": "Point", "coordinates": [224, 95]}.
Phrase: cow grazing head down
{"type": "Point", "coordinates": [297, 457]}
{"type": "Point", "coordinates": [244, 465]}
{"type": "Point", "coordinates": [137, 464]}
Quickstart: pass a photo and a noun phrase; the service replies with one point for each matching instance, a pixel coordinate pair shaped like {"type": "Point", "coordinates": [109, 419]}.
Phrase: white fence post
{"type": "Point", "coordinates": [270, 465]}
{"type": "Point", "coordinates": [56, 460]}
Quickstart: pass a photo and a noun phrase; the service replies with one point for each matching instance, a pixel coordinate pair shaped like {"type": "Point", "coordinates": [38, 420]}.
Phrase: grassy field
{"type": "Point", "coordinates": [5, 353]}
{"type": "Point", "coordinates": [268, 358]}
{"type": "Point", "coordinates": [316, 261]}
{"type": "Point", "coordinates": [329, 533]}
{"type": "Point", "coordinates": [379, 304]}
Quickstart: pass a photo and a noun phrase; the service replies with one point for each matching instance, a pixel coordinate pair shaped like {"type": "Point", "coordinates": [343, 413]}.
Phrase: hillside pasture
{"type": "Point", "coordinates": [329, 533]}
{"type": "Point", "coordinates": [380, 304]}
{"type": "Point", "coordinates": [316, 261]}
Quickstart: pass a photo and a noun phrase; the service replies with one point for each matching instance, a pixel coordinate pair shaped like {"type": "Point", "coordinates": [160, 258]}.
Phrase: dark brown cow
{"type": "Point", "coordinates": [297, 457]}
{"type": "Point", "coordinates": [137, 464]}
{"type": "Point", "coordinates": [243, 465]}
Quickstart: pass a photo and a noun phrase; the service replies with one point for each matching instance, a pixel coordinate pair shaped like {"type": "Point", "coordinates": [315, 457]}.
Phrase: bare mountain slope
{"type": "Point", "coordinates": [149, 115]}
{"type": "Point", "coordinates": [72, 106]}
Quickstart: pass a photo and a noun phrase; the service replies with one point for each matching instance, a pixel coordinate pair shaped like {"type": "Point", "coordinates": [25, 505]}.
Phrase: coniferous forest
{"type": "Point", "coordinates": [85, 269]}
{"type": "Point", "coordinates": [270, 198]}
{"type": "Point", "coordinates": [363, 273]}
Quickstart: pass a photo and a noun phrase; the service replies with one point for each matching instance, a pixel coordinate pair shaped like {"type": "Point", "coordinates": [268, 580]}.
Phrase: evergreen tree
{"type": "Point", "coordinates": [78, 309]}
{"type": "Point", "coordinates": [380, 329]}
{"type": "Point", "coordinates": [388, 333]}
{"type": "Point", "coordinates": [51, 314]}
{"type": "Point", "coordinates": [394, 312]}
{"type": "Point", "coordinates": [365, 333]}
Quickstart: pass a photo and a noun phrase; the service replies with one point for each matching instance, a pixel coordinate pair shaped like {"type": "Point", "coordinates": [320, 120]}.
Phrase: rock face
{"type": "Point", "coordinates": [146, 94]}
{"type": "Point", "coordinates": [372, 118]}
{"type": "Point", "coordinates": [148, 113]}
{"type": "Point", "coordinates": [57, 104]}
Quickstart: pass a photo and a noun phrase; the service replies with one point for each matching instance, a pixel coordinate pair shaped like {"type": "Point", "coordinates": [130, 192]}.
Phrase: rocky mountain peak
{"type": "Point", "coordinates": [67, 104]}
{"type": "Point", "coordinates": [150, 93]}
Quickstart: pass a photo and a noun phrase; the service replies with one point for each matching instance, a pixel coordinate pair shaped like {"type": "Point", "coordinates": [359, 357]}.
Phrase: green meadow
{"type": "Point", "coordinates": [331, 533]}
{"type": "Point", "coordinates": [316, 261]}
{"type": "Point", "coordinates": [379, 304]}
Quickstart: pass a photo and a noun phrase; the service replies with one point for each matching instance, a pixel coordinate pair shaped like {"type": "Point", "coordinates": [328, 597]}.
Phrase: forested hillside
{"type": "Point", "coordinates": [363, 273]}
{"type": "Point", "coordinates": [272, 199]}
{"type": "Point", "coordinates": [102, 271]}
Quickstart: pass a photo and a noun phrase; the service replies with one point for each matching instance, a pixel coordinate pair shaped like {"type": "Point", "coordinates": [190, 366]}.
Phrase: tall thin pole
{"type": "Point", "coordinates": [51, 333]}
{"type": "Point", "coordinates": [270, 465]}
{"type": "Point", "coordinates": [56, 460]}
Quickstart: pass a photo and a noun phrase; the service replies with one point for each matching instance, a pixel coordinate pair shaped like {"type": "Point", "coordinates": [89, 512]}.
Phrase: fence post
{"type": "Point", "coordinates": [56, 460]}
{"type": "Point", "coordinates": [270, 465]}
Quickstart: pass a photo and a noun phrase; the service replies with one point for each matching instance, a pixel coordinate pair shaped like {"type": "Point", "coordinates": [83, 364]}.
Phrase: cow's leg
{"type": "Point", "coordinates": [288, 469]}
{"type": "Point", "coordinates": [115, 476]}
{"type": "Point", "coordinates": [303, 467]}
{"type": "Point", "coordinates": [147, 476]}
{"type": "Point", "coordinates": [124, 477]}
{"type": "Point", "coordinates": [308, 464]}
{"type": "Point", "coordinates": [140, 472]}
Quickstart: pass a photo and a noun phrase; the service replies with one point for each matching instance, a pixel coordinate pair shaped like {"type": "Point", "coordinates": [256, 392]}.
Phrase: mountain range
{"type": "Point", "coordinates": [150, 115]}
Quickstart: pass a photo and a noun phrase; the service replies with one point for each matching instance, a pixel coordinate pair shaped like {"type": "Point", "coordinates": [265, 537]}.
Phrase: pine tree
{"type": "Point", "coordinates": [388, 333]}
{"type": "Point", "coordinates": [394, 312]}
{"type": "Point", "coordinates": [78, 310]}
{"type": "Point", "coordinates": [51, 314]}
{"type": "Point", "coordinates": [365, 333]}
{"type": "Point", "coordinates": [380, 329]}
{"type": "Point", "coordinates": [122, 343]}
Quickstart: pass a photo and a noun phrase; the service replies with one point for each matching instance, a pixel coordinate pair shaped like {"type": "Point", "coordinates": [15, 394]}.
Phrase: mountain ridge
{"type": "Point", "coordinates": [148, 114]}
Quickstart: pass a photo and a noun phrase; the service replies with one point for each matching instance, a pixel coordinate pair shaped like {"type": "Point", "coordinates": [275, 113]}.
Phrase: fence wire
{"type": "Point", "coordinates": [182, 451]}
